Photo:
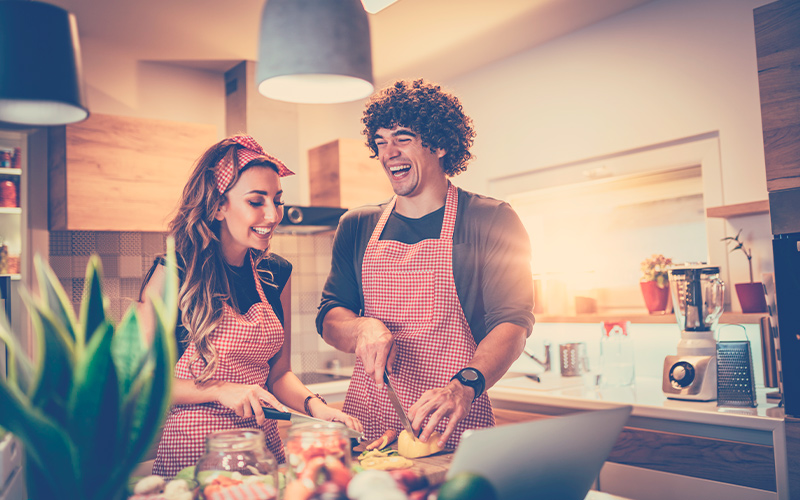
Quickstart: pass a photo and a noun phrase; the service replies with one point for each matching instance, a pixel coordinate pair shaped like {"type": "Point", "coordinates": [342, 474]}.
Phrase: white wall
{"type": "Point", "coordinates": [663, 71]}
{"type": "Point", "coordinates": [118, 84]}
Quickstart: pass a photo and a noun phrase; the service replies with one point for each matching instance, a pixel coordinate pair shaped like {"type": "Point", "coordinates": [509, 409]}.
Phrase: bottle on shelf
{"type": "Point", "coordinates": [8, 194]}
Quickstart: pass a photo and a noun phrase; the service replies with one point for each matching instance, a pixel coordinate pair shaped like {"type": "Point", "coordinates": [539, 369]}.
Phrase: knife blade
{"type": "Point", "coordinates": [398, 407]}
{"type": "Point", "coordinates": [299, 418]}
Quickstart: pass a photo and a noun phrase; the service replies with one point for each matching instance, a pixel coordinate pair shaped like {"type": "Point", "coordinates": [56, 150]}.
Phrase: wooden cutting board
{"type": "Point", "coordinates": [434, 467]}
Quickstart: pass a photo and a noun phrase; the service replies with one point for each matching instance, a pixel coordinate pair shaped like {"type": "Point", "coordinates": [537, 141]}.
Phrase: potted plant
{"type": "Point", "coordinates": [655, 284]}
{"type": "Point", "coordinates": [88, 406]}
{"type": "Point", "coordinates": [752, 296]}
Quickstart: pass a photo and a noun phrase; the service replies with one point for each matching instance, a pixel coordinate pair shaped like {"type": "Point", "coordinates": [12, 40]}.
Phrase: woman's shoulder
{"type": "Point", "coordinates": [278, 267]}
{"type": "Point", "coordinates": [275, 262]}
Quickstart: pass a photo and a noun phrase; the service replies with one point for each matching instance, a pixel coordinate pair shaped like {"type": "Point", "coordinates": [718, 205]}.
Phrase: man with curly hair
{"type": "Point", "coordinates": [434, 286]}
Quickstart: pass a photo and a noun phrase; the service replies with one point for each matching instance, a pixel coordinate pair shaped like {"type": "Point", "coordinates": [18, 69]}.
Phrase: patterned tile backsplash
{"type": "Point", "coordinates": [126, 257]}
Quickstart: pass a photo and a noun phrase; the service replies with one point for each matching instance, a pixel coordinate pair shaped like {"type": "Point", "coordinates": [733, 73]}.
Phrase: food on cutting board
{"type": "Point", "coordinates": [376, 460]}
{"type": "Point", "coordinates": [385, 459]}
{"type": "Point", "coordinates": [467, 486]}
{"type": "Point", "coordinates": [411, 447]}
{"type": "Point", "coordinates": [385, 440]}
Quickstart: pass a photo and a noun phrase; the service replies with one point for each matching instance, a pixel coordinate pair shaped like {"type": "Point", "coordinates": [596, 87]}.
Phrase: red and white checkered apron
{"type": "Point", "coordinates": [245, 344]}
{"type": "Point", "coordinates": [411, 289]}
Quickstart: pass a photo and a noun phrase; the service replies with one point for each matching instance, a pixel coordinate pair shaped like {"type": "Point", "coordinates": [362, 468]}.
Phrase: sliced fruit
{"type": "Point", "coordinates": [411, 447]}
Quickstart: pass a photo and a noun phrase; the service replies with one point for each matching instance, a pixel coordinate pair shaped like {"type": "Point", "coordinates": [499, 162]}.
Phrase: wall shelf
{"type": "Point", "coordinates": [11, 171]}
{"type": "Point", "coordinates": [10, 210]}
{"type": "Point", "coordinates": [643, 317]}
{"type": "Point", "coordinates": [738, 209]}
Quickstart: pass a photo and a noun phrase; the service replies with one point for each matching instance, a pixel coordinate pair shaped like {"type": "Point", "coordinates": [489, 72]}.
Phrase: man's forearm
{"type": "Point", "coordinates": [498, 351]}
{"type": "Point", "coordinates": [339, 329]}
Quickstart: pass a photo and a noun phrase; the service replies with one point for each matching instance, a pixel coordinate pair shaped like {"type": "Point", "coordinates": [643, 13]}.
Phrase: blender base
{"type": "Point", "coordinates": [690, 378]}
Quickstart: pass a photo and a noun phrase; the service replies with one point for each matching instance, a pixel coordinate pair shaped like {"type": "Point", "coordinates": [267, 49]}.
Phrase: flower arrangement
{"type": "Point", "coordinates": [740, 246]}
{"type": "Point", "coordinates": [654, 268]}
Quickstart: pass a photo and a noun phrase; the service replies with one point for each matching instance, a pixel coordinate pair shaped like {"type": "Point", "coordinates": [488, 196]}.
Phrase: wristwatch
{"type": "Point", "coordinates": [471, 378]}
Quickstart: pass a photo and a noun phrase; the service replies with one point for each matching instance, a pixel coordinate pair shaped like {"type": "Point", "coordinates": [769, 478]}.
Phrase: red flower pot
{"type": "Point", "coordinates": [655, 298]}
{"type": "Point", "coordinates": [752, 297]}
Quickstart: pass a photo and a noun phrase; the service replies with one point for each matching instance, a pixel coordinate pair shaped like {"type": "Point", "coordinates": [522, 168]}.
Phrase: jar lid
{"type": "Point", "coordinates": [235, 439]}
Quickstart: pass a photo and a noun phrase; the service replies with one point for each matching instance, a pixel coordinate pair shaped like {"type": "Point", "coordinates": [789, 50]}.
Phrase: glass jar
{"type": "Point", "coordinates": [237, 464]}
{"type": "Point", "coordinates": [616, 355]}
{"type": "Point", "coordinates": [319, 452]}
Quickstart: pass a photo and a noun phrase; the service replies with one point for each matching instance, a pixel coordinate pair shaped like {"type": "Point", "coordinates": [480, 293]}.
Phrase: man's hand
{"type": "Point", "coordinates": [375, 348]}
{"type": "Point", "coordinates": [453, 401]}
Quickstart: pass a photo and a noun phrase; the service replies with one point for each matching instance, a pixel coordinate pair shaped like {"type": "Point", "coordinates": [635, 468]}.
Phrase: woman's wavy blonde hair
{"type": "Point", "coordinates": [205, 286]}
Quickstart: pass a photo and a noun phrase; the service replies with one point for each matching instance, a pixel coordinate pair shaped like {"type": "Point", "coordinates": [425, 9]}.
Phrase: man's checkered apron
{"type": "Point", "coordinates": [411, 289]}
{"type": "Point", "coordinates": [245, 344]}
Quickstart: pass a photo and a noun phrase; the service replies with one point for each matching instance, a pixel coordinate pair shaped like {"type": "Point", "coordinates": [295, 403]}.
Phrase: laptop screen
{"type": "Point", "coordinates": [557, 457]}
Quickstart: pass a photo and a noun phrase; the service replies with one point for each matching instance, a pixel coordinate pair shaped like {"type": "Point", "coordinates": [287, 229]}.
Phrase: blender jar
{"type": "Point", "coordinates": [698, 296]}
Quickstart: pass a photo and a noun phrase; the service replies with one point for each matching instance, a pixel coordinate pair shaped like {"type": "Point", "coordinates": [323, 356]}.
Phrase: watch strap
{"type": "Point", "coordinates": [478, 385]}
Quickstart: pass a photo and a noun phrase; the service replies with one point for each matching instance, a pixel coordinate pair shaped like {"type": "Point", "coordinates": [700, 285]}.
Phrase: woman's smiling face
{"type": "Point", "coordinates": [250, 212]}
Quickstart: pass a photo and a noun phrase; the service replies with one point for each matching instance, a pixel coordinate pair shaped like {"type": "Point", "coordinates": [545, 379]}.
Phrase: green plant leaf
{"type": "Point", "coordinates": [93, 306]}
{"type": "Point", "coordinates": [45, 442]}
{"type": "Point", "coordinates": [128, 349]}
{"type": "Point", "coordinates": [54, 297]}
{"type": "Point", "coordinates": [56, 359]}
{"type": "Point", "coordinates": [94, 409]}
{"type": "Point", "coordinates": [133, 407]}
{"type": "Point", "coordinates": [20, 371]}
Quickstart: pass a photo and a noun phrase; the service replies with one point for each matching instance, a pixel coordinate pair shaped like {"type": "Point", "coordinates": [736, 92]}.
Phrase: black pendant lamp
{"type": "Point", "coordinates": [41, 81]}
{"type": "Point", "coordinates": [314, 51]}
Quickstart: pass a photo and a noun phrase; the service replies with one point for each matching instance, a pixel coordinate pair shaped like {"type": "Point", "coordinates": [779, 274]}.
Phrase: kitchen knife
{"type": "Point", "coordinates": [299, 418]}
{"type": "Point", "coordinates": [398, 407]}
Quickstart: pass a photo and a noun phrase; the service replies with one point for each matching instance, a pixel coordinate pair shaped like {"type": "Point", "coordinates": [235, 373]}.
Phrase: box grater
{"type": "Point", "coordinates": [735, 384]}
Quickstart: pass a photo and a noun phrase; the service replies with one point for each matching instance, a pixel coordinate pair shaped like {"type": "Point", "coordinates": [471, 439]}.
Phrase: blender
{"type": "Point", "coordinates": [698, 296]}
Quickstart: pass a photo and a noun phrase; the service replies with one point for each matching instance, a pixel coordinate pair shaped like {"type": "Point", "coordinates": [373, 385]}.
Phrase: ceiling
{"type": "Point", "coordinates": [439, 39]}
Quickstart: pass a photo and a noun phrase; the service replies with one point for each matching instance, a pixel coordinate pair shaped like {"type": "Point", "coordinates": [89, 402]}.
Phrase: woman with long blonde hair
{"type": "Point", "coordinates": [233, 299]}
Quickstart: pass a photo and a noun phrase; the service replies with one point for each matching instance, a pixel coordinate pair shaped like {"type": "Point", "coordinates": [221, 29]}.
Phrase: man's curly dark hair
{"type": "Point", "coordinates": [430, 112]}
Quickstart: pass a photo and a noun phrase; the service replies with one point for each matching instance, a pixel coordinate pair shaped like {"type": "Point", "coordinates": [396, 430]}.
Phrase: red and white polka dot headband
{"type": "Point", "coordinates": [251, 151]}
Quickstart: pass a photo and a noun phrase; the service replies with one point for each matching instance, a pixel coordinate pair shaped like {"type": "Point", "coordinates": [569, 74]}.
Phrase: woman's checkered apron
{"type": "Point", "coordinates": [245, 344]}
{"type": "Point", "coordinates": [411, 289]}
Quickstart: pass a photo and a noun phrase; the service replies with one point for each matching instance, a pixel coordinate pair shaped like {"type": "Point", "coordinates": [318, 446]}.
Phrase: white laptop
{"type": "Point", "coordinates": [553, 458]}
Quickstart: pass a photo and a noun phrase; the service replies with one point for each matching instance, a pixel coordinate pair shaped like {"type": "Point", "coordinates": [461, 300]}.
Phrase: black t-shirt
{"type": "Point", "coordinates": [491, 260]}
{"type": "Point", "coordinates": [242, 283]}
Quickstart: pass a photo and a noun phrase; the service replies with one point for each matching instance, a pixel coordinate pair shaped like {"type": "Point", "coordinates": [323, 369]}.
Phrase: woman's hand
{"type": "Point", "coordinates": [325, 412]}
{"type": "Point", "coordinates": [246, 400]}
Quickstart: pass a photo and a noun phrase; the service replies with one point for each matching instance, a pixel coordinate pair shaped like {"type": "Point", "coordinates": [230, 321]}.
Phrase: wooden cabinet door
{"type": "Point", "coordinates": [777, 28]}
{"type": "Point", "coordinates": [115, 173]}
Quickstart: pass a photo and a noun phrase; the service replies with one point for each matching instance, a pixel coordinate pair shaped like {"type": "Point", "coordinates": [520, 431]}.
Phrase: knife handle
{"type": "Point", "coordinates": [386, 377]}
{"type": "Point", "coordinates": [273, 414]}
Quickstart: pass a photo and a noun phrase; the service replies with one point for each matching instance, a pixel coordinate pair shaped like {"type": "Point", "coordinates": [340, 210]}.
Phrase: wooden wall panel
{"type": "Point", "coordinates": [777, 28]}
{"type": "Point", "coordinates": [341, 174]}
{"type": "Point", "coordinates": [113, 173]}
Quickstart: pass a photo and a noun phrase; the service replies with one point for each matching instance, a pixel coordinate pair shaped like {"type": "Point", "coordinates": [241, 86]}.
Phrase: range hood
{"type": "Point", "coordinates": [309, 220]}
